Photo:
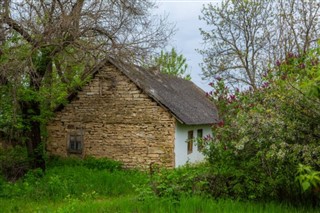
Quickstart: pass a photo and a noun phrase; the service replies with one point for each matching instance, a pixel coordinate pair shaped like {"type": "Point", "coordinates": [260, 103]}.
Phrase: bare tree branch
{"type": "Point", "coordinates": [255, 34]}
{"type": "Point", "coordinates": [18, 28]}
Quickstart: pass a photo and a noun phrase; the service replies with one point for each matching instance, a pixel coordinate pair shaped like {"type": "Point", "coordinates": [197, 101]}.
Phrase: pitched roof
{"type": "Point", "coordinates": [187, 102]}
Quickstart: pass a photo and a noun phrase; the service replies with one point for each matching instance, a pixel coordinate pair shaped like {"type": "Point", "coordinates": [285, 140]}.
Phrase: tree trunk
{"type": "Point", "coordinates": [30, 113]}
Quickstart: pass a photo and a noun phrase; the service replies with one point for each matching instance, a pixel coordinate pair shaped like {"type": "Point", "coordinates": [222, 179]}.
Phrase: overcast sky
{"type": "Point", "coordinates": [185, 14]}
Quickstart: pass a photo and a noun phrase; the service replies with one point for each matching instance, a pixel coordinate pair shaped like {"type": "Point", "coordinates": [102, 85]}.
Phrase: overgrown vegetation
{"type": "Point", "coordinates": [266, 146]}
{"type": "Point", "coordinates": [101, 185]}
{"type": "Point", "coordinates": [73, 178]}
{"type": "Point", "coordinates": [264, 134]}
{"type": "Point", "coordinates": [13, 163]}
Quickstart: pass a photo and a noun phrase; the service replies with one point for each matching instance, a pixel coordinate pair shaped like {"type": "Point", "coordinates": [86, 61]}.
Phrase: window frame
{"type": "Point", "coordinates": [75, 146]}
{"type": "Point", "coordinates": [199, 137]}
{"type": "Point", "coordinates": [190, 142]}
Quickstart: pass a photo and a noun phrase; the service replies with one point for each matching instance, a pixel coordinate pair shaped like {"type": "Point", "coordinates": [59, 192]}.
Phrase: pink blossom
{"type": "Point", "coordinates": [218, 78]}
{"type": "Point", "coordinates": [265, 85]}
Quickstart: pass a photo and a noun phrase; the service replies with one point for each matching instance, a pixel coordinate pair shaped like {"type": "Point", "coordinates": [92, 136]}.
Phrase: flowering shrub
{"type": "Point", "coordinates": [265, 133]}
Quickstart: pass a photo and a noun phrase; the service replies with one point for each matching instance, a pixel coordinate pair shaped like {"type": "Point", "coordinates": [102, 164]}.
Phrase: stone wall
{"type": "Point", "coordinates": [118, 121]}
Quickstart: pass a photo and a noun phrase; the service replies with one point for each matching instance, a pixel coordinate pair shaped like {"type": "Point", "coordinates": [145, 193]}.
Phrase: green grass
{"type": "Point", "coordinates": [131, 204]}
{"type": "Point", "coordinates": [100, 186]}
{"type": "Point", "coordinates": [76, 181]}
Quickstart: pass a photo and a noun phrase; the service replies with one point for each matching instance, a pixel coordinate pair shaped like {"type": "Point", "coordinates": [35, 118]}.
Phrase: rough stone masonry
{"type": "Point", "coordinates": [116, 120]}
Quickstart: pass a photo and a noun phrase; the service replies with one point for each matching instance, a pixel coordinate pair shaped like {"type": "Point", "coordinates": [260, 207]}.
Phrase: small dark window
{"type": "Point", "coordinates": [190, 142]}
{"type": "Point", "coordinates": [199, 139]}
{"type": "Point", "coordinates": [75, 144]}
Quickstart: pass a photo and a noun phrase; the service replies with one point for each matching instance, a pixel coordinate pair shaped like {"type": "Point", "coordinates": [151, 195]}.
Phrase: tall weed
{"type": "Point", "coordinates": [61, 181]}
{"type": "Point", "coordinates": [88, 162]}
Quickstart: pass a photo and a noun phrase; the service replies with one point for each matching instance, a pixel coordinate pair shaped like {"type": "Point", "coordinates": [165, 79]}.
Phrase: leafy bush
{"type": "Point", "coordinates": [187, 180]}
{"type": "Point", "coordinates": [14, 163]}
{"type": "Point", "coordinates": [308, 178]}
{"type": "Point", "coordinates": [265, 133]}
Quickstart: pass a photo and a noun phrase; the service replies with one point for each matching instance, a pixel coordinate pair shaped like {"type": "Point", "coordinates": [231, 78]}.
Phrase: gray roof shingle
{"type": "Point", "coordinates": [187, 102]}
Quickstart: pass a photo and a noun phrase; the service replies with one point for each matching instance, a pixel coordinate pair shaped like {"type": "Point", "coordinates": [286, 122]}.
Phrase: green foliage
{"type": "Point", "coordinates": [265, 133]}
{"type": "Point", "coordinates": [172, 63]}
{"type": "Point", "coordinates": [102, 164]}
{"type": "Point", "coordinates": [14, 163]}
{"type": "Point", "coordinates": [68, 186]}
{"type": "Point", "coordinates": [303, 71]}
{"type": "Point", "coordinates": [13, 54]}
{"type": "Point", "coordinates": [187, 180]}
{"type": "Point", "coordinates": [307, 177]}
{"type": "Point", "coordinates": [72, 179]}
{"type": "Point", "coordinates": [56, 77]}
{"type": "Point", "coordinates": [88, 162]}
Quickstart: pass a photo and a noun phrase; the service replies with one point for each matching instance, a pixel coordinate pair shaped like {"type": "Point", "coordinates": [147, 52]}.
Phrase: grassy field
{"type": "Point", "coordinates": [97, 187]}
{"type": "Point", "coordinates": [131, 204]}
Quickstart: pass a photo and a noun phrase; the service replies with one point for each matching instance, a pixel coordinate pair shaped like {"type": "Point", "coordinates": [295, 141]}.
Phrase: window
{"type": "Point", "coordinates": [75, 143]}
{"type": "Point", "coordinates": [190, 142]}
{"type": "Point", "coordinates": [199, 139]}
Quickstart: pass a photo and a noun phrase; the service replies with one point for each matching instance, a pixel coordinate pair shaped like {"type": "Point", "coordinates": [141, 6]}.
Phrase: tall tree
{"type": "Point", "coordinates": [173, 63]}
{"type": "Point", "coordinates": [52, 45]}
{"type": "Point", "coordinates": [297, 24]}
{"type": "Point", "coordinates": [246, 37]}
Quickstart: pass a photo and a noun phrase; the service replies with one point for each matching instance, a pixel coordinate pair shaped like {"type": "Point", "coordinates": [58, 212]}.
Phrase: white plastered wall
{"type": "Point", "coordinates": [181, 146]}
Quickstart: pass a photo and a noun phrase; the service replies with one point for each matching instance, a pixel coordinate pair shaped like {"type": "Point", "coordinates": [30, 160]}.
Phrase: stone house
{"type": "Point", "coordinates": [135, 116]}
